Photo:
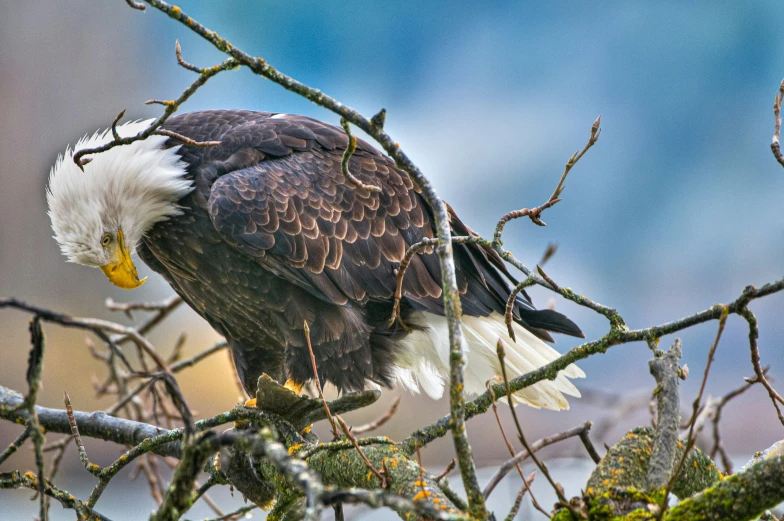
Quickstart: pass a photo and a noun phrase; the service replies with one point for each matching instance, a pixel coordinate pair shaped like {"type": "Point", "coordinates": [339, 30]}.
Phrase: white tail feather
{"type": "Point", "coordinates": [424, 360]}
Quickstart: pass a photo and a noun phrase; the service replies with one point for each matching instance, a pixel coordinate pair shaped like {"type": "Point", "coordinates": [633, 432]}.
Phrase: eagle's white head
{"type": "Point", "coordinates": [99, 215]}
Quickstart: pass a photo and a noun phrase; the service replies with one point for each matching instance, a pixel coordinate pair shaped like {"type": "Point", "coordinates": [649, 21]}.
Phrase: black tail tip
{"type": "Point", "coordinates": [551, 321]}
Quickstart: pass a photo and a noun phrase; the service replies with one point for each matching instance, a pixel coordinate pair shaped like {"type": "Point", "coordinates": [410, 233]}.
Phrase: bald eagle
{"type": "Point", "coordinates": [263, 233]}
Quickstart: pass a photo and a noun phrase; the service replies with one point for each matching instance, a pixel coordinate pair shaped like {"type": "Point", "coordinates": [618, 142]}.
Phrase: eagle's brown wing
{"type": "Point", "coordinates": [275, 190]}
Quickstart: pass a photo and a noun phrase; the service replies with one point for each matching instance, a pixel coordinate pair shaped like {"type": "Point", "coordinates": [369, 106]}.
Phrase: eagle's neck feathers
{"type": "Point", "coordinates": [128, 188]}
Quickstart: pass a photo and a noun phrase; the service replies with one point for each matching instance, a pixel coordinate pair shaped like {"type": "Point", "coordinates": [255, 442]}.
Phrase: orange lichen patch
{"type": "Point", "coordinates": [29, 475]}
{"type": "Point", "coordinates": [216, 462]}
{"type": "Point", "coordinates": [680, 445]}
{"type": "Point", "coordinates": [422, 495]}
{"type": "Point", "coordinates": [295, 448]}
{"type": "Point", "coordinates": [251, 402]}
{"type": "Point", "coordinates": [606, 482]}
{"type": "Point", "coordinates": [307, 429]}
{"type": "Point", "coordinates": [630, 435]}
{"type": "Point", "coordinates": [620, 460]}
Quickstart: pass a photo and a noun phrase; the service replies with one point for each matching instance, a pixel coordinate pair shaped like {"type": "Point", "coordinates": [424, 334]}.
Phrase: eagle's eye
{"type": "Point", "coordinates": [106, 239]}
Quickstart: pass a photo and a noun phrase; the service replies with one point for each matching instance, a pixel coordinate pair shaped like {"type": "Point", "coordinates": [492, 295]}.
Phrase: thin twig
{"type": "Point", "coordinates": [775, 145]}
{"type": "Point", "coordinates": [92, 468]}
{"type": "Point", "coordinates": [539, 463]}
{"type": "Point", "coordinates": [351, 147]}
{"type": "Point", "coordinates": [535, 213]}
{"type": "Point", "coordinates": [335, 433]}
{"type": "Point", "coordinates": [717, 447]}
{"type": "Point", "coordinates": [423, 493]}
{"type": "Point", "coordinates": [126, 307]}
{"type": "Point", "coordinates": [14, 446]}
{"type": "Point", "coordinates": [775, 397]}
{"type": "Point", "coordinates": [237, 514]}
{"type": "Point", "coordinates": [510, 304]}
{"type": "Point", "coordinates": [32, 425]}
{"type": "Point", "coordinates": [115, 135]}
{"type": "Point", "coordinates": [588, 444]}
{"type": "Point", "coordinates": [378, 422]}
{"type": "Point", "coordinates": [521, 456]}
{"type": "Point", "coordinates": [382, 478]}
{"type": "Point", "coordinates": [186, 139]}
{"type": "Point", "coordinates": [509, 447]}
{"type": "Point", "coordinates": [422, 246]}
{"type": "Point", "coordinates": [181, 60]}
{"type": "Point", "coordinates": [426, 245]}
{"type": "Point", "coordinates": [155, 126]}
{"type": "Point", "coordinates": [520, 495]}
{"type": "Point", "coordinates": [449, 468]}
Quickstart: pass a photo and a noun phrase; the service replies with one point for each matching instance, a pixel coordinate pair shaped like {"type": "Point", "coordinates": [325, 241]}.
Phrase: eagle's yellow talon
{"type": "Point", "coordinates": [291, 385]}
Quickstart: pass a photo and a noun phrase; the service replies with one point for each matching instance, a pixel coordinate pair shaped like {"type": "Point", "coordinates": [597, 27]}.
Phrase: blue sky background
{"type": "Point", "coordinates": [678, 207]}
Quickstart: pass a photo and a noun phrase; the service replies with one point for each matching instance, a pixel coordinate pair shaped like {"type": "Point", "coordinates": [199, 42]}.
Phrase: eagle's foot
{"type": "Point", "coordinates": [291, 385]}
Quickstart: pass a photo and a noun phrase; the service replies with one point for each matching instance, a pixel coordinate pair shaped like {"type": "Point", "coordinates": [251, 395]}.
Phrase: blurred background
{"type": "Point", "coordinates": [678, 207]}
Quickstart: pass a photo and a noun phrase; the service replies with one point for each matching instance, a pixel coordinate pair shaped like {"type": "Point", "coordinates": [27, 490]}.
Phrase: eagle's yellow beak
{"type": "Point", "coordinates": [122, 272]}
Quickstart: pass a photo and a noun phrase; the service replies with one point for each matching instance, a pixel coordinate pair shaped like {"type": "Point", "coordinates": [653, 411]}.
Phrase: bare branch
{"type": "Point", "coordinates": [185, 139]}
{"type": "Point", "coordinates": [155, 127]}
{"type": "Point", "coordinates": [539, 463]}
{"type": "Point", "coordinates": [775, 145]}
{"type": "Point", "coordinates": [318, 384]}
{"type": "Point", "coordinates": [521, 456]}
{"type": "Point", "coordinates": [449, 468]}
{"type": "Point", "coordinates": [378, 422]}
{"type": "Point", "coordinates": [535, 213]}
{"type": "Point", "coordinates": [351, 147]}
{"type": "Point", "coordinates": [92, 468]}
{"type": "Point", "coordinates": [136, 5]}
{"type": "Point", "coordinates": [182, 62]}
{"type": "Point", "coordinates": [14, 446]}
{"type": "Point", "coordinates": [519, 499]}
{"type": "Point", "coordinates": [354, 442]}
{"type": "Point", "coordinates": [775, 397]}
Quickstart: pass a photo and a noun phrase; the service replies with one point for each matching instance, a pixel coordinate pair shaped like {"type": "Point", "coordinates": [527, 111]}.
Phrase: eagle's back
{"type": "Point", "coordinates": [274, 235]}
